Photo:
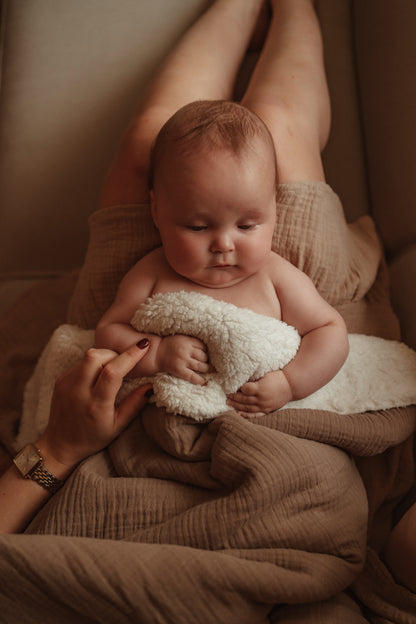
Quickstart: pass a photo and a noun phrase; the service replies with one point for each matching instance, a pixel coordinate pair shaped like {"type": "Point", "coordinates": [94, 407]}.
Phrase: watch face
{"type": "Point", "coordinates": [27, 459]}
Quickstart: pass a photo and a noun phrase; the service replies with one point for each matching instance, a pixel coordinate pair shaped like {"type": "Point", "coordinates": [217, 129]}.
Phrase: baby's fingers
{"type": "Point", "coordinates": [247, 395]}
{"type": "Point", "coordinates": [245, 409]}
{"type": "Point", "coordinates": [199, 345]}
{"type": "Point", "coordinates": [199, 358]}
{"type": "Point", "coordinates": [189, 374]}
{"type": "Point", "coordinates": [195, 379]}
{"type": "Point", "coordinates": [199, 352]}
{"type": "Point", "coordinates": [201, 367]}
{"type": "Point", "coordinates": [251, 414]}
{"type": "Point", "coordinates": [246, 400]}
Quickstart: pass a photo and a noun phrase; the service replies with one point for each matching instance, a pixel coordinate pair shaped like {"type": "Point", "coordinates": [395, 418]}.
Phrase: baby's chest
{"type": "Point", "coordinates": [260, 298]}
{"type": "Point", "coordinates": [256, 293]}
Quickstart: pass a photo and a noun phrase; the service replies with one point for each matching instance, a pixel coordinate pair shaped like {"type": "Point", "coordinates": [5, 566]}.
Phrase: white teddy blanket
{"type": "Point", "coordinates": [242, 345]}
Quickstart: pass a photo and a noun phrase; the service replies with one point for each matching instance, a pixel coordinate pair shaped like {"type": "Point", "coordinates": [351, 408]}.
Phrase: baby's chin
{"type": "Point", "coordinates": [223, 277]}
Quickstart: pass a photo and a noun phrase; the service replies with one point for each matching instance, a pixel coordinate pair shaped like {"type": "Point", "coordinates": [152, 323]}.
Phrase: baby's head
{"type": "Point", "coordinates": [215, 126]}
{"type": "Point", "coordinates": [213, 184]}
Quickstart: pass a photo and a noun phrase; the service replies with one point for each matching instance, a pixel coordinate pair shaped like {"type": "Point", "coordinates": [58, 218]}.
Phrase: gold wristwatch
{"type": "Point", "coordinates": [29, 462]}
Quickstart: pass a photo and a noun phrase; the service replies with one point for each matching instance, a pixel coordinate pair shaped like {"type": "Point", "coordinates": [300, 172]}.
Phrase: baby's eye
{"type": "Point", "coordinates": [196, 228]}
{"type": "Point", "coordinates": [246, 226]}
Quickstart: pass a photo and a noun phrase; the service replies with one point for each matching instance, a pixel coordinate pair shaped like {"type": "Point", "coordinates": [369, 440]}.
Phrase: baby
{"type": "Point", "coordinates": [213, 181]}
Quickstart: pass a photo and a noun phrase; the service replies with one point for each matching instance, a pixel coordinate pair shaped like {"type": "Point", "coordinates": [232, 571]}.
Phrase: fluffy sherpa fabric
{"type": "Point", "coordinates": [241, 344]}
{"type": "Point", "coordinates": [378, 373]}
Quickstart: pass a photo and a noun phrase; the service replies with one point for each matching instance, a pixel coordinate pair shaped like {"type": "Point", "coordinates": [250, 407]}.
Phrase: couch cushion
{"type": "Point", "coordinates": [344, 156]}
{"type": "Point", "coordinates": [386, 61]}
{"type": "Point", "coordinates": [72, 73]}
{"type": "Point", "coordinates": [403, 292]}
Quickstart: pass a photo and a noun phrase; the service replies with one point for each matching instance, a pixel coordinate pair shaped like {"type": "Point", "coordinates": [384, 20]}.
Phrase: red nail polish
{"type": "Point", "coordinates": [143, 343]}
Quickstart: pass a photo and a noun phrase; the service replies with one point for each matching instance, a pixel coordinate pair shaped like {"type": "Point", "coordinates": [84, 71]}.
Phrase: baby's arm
{"type": "Point", "coordinates": [324, 339]}
{"type": "Point", "coordinates": [183, 356]}
{"type": "Point", "coordinates": [114, 330]}
{"type": "Point", "coordinates": [322, 352]}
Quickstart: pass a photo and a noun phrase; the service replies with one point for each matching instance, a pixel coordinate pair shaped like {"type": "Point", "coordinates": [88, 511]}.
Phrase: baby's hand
{"type": "Point", "coordinates": [256, 398]}
{"type": "Point", "coordinates": [185, 357]}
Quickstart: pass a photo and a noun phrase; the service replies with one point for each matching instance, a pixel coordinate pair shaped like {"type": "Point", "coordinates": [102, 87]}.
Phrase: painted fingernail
{"type": "Point", "coordinates": [143, 343]}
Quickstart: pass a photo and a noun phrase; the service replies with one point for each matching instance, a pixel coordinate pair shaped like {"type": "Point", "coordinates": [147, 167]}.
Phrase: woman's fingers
{"type": "Point", "coordinates": [131, 405]}
{"type": "Point", "coordinates": [113, 371]}
{"type": "Point", "coordinates": [83, 417]}
{"type": "Point", "coordinates": [92, 364]}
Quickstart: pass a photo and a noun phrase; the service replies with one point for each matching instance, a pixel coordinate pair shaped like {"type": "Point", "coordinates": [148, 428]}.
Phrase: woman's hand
{"type": "Point", "coordinates": [84, 418]}
{"type": "Point", "coordinates": [256, 398]}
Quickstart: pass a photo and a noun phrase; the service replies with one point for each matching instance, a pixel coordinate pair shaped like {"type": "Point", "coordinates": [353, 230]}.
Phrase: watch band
{"type": "Point", "coordinates": [29, 462]}
{"type": "Point", "coordinates": [46, 479]}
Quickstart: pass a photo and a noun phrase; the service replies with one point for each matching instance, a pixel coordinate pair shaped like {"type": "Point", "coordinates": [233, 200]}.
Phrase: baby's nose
{"type": "Point", "coordinates": [222, 243]}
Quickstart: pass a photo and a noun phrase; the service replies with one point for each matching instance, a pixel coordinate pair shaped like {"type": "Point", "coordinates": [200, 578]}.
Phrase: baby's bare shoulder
{"type": "Point", "coordinates": [144, 273]}
{"type": "Point", "coordinates": [279, 263]}
{"type": "Point", "coordinates": [152, 261]}
{"type": "Point", "coordinates": [285, 274]}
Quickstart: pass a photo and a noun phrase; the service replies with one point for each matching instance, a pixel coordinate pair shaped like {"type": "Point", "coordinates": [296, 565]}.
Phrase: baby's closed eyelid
{"type": "Point", "coordinates": [196, 228]}
{"type": "Point", "coordinates": [247, 226]}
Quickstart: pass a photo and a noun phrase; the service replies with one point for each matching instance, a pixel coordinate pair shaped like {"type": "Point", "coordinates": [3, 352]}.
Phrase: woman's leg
{"type": "Point", "coordinates": [203, 65]}
{"type": "Point", "coordinates": [288, 90]}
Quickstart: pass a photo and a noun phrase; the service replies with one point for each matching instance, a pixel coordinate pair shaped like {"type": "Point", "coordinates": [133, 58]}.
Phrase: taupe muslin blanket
{"type": "Point", "coordinates": [180, 522]}
{"type": "Point", "coordinates": [222, 520]}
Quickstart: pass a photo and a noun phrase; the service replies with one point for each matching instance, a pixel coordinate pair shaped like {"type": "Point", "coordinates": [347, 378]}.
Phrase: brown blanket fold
{"type": "Point", "coordinates": [259, 514]}
{"type": "Point", "coordinates": [221, 504]}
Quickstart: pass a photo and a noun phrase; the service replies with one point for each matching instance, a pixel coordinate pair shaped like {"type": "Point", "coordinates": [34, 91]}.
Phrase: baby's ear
{"type": "Point", "coordinates": [153, 207]}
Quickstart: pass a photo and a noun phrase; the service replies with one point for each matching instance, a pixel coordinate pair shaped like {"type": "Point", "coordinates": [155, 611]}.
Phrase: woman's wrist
{"type": "Point", "coordinates": [58, 463]}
